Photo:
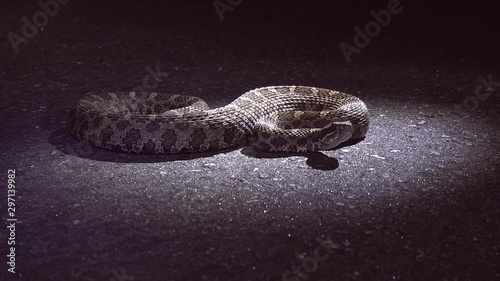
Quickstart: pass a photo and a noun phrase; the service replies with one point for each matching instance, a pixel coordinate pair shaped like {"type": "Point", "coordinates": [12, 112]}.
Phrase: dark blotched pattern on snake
{"type": "Point", "coordinates": [276, 118]}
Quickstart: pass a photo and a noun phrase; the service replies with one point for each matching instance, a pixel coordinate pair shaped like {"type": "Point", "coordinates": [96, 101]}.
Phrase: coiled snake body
{"type": "Point", "coordinates": [277, 118]}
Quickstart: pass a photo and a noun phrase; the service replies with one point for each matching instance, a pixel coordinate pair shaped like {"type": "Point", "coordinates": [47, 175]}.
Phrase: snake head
{"type": "Point", "coordinates": [335, 134]}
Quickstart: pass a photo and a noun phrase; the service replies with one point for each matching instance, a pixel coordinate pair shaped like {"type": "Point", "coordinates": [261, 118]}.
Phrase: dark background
{"type": "Point", "coordinates": [418, 199]}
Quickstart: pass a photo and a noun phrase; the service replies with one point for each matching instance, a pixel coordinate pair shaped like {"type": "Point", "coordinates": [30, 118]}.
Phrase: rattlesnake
{"type": "Point", "coordinates": [277, 118]}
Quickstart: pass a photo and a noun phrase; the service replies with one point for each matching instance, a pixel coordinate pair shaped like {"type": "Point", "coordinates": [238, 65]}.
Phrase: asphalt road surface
{"type": "Point", "coordinates": [417, 199]}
